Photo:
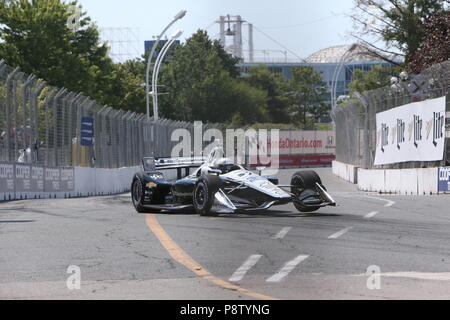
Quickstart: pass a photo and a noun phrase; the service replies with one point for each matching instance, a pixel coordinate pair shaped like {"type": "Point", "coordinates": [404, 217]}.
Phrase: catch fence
{"type": "Point", "coordinates": [355, 120]}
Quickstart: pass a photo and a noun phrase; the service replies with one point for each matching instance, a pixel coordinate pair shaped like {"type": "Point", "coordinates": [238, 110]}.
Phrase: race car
{"type": "Point", "coordinates": [219, 186]}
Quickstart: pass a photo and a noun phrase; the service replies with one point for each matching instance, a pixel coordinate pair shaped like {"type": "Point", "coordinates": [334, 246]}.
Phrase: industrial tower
{"type": "Point", "coordinates": [231, 26]}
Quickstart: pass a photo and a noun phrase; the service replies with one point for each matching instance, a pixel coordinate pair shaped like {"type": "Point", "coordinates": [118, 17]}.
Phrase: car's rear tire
{"type": "Point", "coordinates": [204, 192]}
{"type": "Point", "coordinates": [300, 181]}
{"type": "Point", "coordinates": [138, 194]}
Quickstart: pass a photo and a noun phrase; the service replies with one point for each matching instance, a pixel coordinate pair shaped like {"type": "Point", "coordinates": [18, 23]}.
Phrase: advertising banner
{"type": "Point", "coordinates": [444, 179]}
{"type": "Point", "coordinates": [67, 179]}
{"type": "Point", "coordinates": [23, 177]}
{"type": "Point", "coordinates": [37, 178]}
{"type": "Point", "coordinates": [87, 131]}
{"type": "Point", "coordinates": [6, 177]}
{"type": "Point", "coordinates": [286, 161]}
{"type": "Point", "coordinates": [304, 142]}
{"type": "Point", "coordinates": [413, 132]}
{"type": "Point", "coordinates": [52, 180]}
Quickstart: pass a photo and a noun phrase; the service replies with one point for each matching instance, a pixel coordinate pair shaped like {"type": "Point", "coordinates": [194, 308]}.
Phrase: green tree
{"type": "Point", "coordinates": [398, 23]}
{"type": "Point", "coordinates": [377, 77]}
{"type": "Point", "coordinates": [307, 96]}
{"type": "Point", "coordinates": [35, 36]}
{"type": "Point", "coordinates": [275, 86]}
{"type": "Point", "coordinates": [202, 86]}
{"type": "Point", "coordinates": [436, 45]}
{"type": "Point", "coordinates": [129, 94]}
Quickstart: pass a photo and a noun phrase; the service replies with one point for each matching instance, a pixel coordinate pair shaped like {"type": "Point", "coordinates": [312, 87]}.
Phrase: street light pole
{"type": "Point", "coordinates": [179, 16]}
{"type": "Point", "coordinates": [337, 72]}
{"type": "Point", "coordinates": [156, 68]}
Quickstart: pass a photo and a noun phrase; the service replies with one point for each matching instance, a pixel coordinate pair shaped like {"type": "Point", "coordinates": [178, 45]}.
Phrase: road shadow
{"type": "Point", "coordinates": [254, 215]}
{"type": "Point", "coordinates": [277, 214]}
{"type": "Point", "coordinates": [17, 221]}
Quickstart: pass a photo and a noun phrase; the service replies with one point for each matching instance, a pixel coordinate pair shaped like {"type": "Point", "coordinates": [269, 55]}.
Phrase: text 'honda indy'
{"type": "Point", "coordinates": [219, 186]}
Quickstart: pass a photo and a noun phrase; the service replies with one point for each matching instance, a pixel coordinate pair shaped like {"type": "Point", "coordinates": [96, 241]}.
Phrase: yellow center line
{"type": "Point", "coordinates": [183, 258]}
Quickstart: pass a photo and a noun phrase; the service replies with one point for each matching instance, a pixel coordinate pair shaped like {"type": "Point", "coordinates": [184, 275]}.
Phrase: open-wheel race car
{"type": "Point", "coordinates": [219, 186]}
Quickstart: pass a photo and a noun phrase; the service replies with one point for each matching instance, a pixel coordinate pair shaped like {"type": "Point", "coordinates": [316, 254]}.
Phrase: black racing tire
{"type": "Point", "coordinates": [304, 180]}
{"type": "Point", "coordinates": [203, 196]}
{"type": "Point", "coordinates": [138, 194]}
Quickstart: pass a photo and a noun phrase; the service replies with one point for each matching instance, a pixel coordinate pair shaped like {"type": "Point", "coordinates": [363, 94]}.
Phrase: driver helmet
{"type": "Point", "coordinates": [225, 165]}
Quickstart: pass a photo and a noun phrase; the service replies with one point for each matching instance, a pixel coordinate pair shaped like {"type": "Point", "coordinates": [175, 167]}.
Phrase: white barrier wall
{"type": "Point", "coordinates": [401, 181]}
{"type": "Point", "coordinates": [98, 182]}
{"type": "Point", "coordinates": [17, 181]}
{"type": "Point", "coordinates": [345, 171]}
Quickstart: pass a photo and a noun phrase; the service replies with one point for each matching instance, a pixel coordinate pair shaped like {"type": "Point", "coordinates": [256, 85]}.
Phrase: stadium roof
{"type": "Point", "coordinates": [335, 54]}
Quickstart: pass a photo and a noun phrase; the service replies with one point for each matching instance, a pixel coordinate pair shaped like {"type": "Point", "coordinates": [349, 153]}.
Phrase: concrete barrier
{"type": "Point", "coordinates": [399, 181]}
{"type": "Point", "coordinates": [24, 181]}
{"type": "Point", "coordinates": [100, 182]}
{"type": "Point", "coordinates": [345, 171]}
{"type": "Point", "coordinates": [371, 180]}
{"type": "Point", "coordinates": [393, 181]}
{"type": "Point", "coordinates": [427, 181]}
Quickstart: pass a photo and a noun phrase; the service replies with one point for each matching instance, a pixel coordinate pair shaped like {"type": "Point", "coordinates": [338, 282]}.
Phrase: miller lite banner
{"type": "Point", "coordinates": [413, 132]}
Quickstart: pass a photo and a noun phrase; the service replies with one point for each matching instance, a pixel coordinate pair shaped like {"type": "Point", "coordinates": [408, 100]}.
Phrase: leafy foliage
{"type": "Point", "coordinates": [129, 94]}
{"type": "Point", "coordinates": [307, 96]}
{"type": "Point", "coordinates": [276, 86]}
{"type": "Point", "coordinates": [377, 77]}
{"type": "Point", "coordinates": [436, 45]}
{"type": "Point", "coordinates": [35, 36]}
{"type": "Point", "coordinates": [201, 79]}
{"type": "Point", "coordinates": [202, 83]}
{"type": "Point", "coordinates": [398, 23]}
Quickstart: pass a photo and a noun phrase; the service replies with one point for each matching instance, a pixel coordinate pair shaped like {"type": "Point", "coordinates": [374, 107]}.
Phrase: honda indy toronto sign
{"type": "Point", "coordinates": [413, 132]}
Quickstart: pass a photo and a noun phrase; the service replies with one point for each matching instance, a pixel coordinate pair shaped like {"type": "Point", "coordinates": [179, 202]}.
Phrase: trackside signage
{"type": "Point", "coordinates": [304, 142]}
{"type": "Point", "coordinates": [7, 178]}
{"type": "Point", "coordinates": [444, 179]}
{"type": "Point", "coordinates": [413, 132]}
{"type": "Point", "coordinates": [22, 180]}
{"type": "Point", "coordinates": [23, 177]}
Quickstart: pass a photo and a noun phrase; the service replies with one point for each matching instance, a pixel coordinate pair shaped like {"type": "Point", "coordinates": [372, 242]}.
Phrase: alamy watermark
{"type": "Point", "coordinates": [74, 280]}
{"type": "Point", "coordinates": [250, 147]}
{"type": "Point", "coordinates": [73, 22]}
{"type": "Point", "coordinates": [374, 278]}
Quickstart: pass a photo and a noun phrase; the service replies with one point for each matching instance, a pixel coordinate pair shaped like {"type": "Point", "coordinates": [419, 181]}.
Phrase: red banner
{"type": "Point", "coordinates": [301, 161]}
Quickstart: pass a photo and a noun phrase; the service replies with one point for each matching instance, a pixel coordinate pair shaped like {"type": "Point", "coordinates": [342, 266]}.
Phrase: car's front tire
{"type": "Point", "coordinates": [301, 181]}
{"type": "Point", "coordinates": [204, 192]}
{"type": "Point", "coordinates": [138, 194]}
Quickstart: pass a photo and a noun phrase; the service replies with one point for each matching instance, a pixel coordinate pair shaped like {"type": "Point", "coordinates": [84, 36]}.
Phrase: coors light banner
{"type": "Point", "coordinates": [413, 132]}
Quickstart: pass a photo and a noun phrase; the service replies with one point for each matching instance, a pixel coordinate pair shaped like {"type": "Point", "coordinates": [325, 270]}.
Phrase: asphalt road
{"type": "Point", "coordinates": [280, 254]}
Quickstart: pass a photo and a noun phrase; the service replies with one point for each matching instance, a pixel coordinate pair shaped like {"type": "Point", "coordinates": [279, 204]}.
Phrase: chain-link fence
{"type": "Point", "coordinates": [54, 127]}
{"type": "Point", "coordinates": [355, 121]}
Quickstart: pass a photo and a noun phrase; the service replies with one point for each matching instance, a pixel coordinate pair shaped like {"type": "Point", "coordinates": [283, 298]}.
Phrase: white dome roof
{"type": "Point", "coordinates": [335, 54]}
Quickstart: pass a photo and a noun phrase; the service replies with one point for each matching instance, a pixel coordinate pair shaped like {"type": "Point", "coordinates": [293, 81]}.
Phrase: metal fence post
{"type": "Point", "coordinates": [56, 121]}
{"type": "Point", "coordinates": [26, 132]}
{"type": "Point", "coordinates": [9, 88]}
{"type": "Point", "coordinates": [35, 106]}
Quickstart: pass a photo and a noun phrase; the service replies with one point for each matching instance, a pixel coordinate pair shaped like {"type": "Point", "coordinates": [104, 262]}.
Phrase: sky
{"type": "Point", "coordinates": [302, 26]}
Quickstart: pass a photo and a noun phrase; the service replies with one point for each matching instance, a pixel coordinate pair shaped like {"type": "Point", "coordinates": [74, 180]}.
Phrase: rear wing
{"type": "Point", "coordinates": [154, 164]}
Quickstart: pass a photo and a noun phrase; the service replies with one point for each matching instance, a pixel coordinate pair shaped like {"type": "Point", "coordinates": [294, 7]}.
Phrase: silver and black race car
{"type": "Point", "coordinates": [217, 185]}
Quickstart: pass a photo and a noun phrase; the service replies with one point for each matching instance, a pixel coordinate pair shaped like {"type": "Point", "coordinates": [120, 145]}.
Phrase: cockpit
{"type": "Point", "coordinates": [218, 161]}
